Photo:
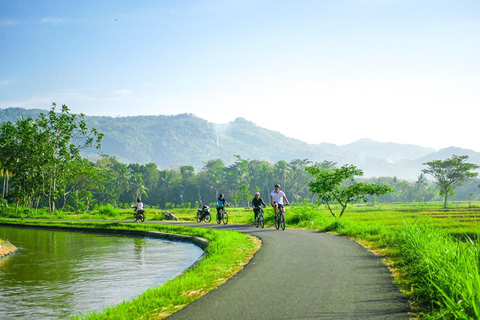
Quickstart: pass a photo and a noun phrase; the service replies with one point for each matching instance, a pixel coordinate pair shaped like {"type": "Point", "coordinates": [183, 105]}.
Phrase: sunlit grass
{"type": "Point", "coordinates": [442, 271]}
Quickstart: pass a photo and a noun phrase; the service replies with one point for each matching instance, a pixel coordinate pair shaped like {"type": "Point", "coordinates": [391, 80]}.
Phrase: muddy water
{"type": "Point", "coordinates": [56, 274]}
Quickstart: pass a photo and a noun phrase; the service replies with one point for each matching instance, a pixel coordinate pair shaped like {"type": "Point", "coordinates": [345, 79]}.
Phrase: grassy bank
{"type": "Point", "coordinates": [227, 253]}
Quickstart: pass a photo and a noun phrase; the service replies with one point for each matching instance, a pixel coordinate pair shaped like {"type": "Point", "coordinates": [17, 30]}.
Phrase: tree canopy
{"type": "Point", "coordinates": [339, 185]}
{"type": "Point", "coordinates": [38, 152]}
{"type": "Point", "coordinates": [450, 173]}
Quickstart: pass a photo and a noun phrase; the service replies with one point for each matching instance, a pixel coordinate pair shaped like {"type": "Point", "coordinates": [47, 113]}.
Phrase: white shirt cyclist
{"type": "Point", "coordinates": [278, 197]}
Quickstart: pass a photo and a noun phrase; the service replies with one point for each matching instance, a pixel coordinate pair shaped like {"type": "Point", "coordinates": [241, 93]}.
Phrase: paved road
{"type": "Point", "coordinates": [301, 274]}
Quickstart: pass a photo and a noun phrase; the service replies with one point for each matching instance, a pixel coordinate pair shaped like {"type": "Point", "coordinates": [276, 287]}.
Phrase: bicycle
{"type": "Point", "coordinates": [259, 220]}
{"type": "Point", "coordinates": [280, 218]}
{"type": "Point", "coordinates": [222, 216]}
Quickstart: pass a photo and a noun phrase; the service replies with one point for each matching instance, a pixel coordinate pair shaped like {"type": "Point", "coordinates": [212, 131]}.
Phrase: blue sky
{"type": "Point", "coordinates": [402, 71]}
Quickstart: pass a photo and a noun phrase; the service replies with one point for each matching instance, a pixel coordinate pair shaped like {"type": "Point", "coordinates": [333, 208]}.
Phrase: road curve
{"type": "Point", "coordinates": [300, 274]}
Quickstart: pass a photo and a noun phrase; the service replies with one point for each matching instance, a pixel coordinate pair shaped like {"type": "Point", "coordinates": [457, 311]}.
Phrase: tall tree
{"type": "Point", "coordinates": [81, 176]}
{"type": "Point", "coordinates": [450, 173]}
{"type": "Point", "coordinates": [64, 136]}
{"type": "Point", "coordinates": [215, 171]}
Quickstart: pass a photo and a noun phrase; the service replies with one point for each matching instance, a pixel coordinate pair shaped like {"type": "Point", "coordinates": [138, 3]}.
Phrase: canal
{"type": "Point", "coordinates": [56, 274]}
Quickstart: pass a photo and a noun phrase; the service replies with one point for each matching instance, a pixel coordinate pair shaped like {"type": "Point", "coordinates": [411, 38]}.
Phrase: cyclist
{"type": "Point", "coordinates": [256, 203]}
{"type": "Point", "coordinates": [277, 198]}
{"type": "Point", "coordinates": [139, 206]}
{"type": "Point", "coordinates": [221, 202]}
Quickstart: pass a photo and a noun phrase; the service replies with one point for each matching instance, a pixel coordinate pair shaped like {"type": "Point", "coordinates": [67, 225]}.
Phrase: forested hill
{"type": "Point", "coordinates": [188, 140]}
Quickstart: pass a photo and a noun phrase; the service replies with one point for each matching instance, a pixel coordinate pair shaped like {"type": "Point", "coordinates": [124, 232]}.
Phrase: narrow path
{"type": "Point", "coordinates": [301, 274]}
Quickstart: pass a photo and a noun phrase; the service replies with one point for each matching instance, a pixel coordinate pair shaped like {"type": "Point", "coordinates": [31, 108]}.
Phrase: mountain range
{"type": "Point", "coordinates": [185, 139]}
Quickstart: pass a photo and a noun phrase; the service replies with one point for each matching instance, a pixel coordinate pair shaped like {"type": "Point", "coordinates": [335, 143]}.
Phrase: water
{"type": "Point", "coordinates": [56, 274]}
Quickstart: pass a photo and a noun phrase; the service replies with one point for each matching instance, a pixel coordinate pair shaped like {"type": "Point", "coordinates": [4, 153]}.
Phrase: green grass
{"type": "Point", "coordinates": [442, 271]}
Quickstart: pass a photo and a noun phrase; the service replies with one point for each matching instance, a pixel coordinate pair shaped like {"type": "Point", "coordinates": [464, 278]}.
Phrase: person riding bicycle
{"type": "Point", "coordinates": [277, 198]}
{"type": "Point", "coordinates": [221, 202]}
{"type": "Point", "coordinates": [256, 203]}
{"type": "Point", "coordinates": [139, 206]}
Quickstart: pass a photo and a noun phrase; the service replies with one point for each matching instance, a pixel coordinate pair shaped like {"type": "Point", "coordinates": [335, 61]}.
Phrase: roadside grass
{"type": "Point", "coordinates": [443, 271]}
{"type": "Point", "coordinates": [227, 253]}
{"type": "Point", "coordinates": [432, 252]}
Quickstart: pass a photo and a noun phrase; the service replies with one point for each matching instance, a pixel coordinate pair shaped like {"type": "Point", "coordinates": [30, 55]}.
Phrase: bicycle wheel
{"type": "Point", "coordinates": [134, 217]}
{"type": "Point", "coordinates": [277, 221]}
{"type": "Point", "coordinates": [262, 222]}
{"type": "Point", "coordinates": [142, 217]}
{"type": "Point", "coordinates": [256, 219]}
{"type": "Point", "coordinates": [282, 216]}
{"type": "Point", "coordinates": [199, 218]}
{"type": "Point", "coordinates": [208, 218]}
{"type": "Point", "coordinates": [225, 217]}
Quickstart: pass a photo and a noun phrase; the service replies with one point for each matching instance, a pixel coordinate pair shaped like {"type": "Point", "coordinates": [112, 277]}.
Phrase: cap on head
{"type": "Point", "coordinates": [277, 186]}
{"type": "Point", "coordinates": [257, 193]}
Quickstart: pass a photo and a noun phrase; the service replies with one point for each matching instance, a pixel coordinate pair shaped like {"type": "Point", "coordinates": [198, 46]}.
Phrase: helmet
{"type": "Point", "coordinates": [277, 186]}
{"type": "Point", "coordinates": [257, 193]}
{"type": "Point", "coordinates": [220, 195]}
{"type": "Point", "coordinates": [139, 200]}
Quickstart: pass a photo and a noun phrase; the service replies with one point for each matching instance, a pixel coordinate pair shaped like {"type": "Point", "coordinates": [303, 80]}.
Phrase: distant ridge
{"type": "Point", "coordinates": [185, 139]}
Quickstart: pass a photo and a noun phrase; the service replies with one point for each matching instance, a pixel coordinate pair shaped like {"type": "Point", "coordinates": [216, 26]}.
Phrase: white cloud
{"type": "Point", "coordinates": [53, 20]}
{"type": "Point", "coordinates": [7, 22]}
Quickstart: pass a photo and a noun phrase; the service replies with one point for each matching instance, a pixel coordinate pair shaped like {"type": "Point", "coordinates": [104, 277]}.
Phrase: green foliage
{"type": "Point", "coordinates": [109, 211]}
{"type": "Point", "coordinates": [339, 185]}
{"type": "Point", "coordinates": [37, 153]}
{"type": "Point", "coordinates": [303, 217]}
{"type": "Point", "coordinates": [450, 173]}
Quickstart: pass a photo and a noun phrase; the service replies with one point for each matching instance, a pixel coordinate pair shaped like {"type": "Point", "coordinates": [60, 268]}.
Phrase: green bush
{"type": "Point", "coordinates": [303, 216]}
{"type": "Point", "coordinates": [108, 211]}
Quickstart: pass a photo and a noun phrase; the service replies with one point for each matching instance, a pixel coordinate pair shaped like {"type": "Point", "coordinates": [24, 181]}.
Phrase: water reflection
{"type": "Point", "coordinates": [55, 274]}
{"type": "Point", "coordinates": [139, 249]}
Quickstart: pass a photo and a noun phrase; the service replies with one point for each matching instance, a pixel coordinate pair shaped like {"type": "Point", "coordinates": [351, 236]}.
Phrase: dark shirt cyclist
{"type": "Point", "coordinates": [221, 202]}
{"type": "Point", "coordinates": [256, 203]}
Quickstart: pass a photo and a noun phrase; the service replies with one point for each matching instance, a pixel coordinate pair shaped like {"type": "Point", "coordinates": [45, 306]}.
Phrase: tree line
{"type": "Point", "coordinates": [40, 166]}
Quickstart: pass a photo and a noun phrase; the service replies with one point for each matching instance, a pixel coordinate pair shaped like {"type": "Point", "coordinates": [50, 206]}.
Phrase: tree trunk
{"type": "Point", "coordinates": [333, 214]}
{"type": "Point", "coordinates": [52, 197]}
{"type": "Point", "coordinates": [343, 210]}
{"type": "Point", "coordinates": [445, 203]}
{"type": "Point", "coordinates": [4, 184]}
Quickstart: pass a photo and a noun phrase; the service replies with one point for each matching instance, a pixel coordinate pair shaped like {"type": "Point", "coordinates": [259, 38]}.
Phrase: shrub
{"type": "Point", "coordinates": [109, 211]}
